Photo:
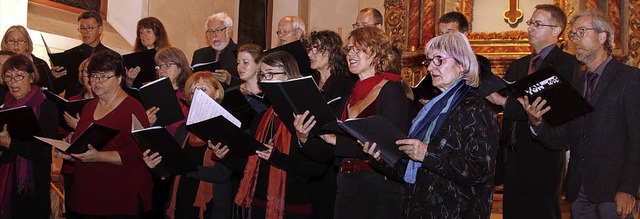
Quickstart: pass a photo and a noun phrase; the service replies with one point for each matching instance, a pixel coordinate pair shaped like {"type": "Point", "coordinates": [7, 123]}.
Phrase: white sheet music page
{"type": "Point", "coordinates": [204, 107]}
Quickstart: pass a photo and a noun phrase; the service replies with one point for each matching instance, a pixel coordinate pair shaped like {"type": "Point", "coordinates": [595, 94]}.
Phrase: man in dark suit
{"type": "Point", "coordinates": [604, 168]}
{"type": "Point", "coordinates": [533, 172]}
{"type": "Point", "coordinates": [90, 28]}
{"type": "Point", "coordinates": [222, 49]}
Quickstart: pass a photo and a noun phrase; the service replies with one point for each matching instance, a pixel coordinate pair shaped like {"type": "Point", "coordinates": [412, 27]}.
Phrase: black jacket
{"type": "Point", "coordinates": [227, 60]}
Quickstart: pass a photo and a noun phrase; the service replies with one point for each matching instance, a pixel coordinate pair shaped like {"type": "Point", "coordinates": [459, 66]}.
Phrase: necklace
{"type": "Point", "coordinates": [251, 93]}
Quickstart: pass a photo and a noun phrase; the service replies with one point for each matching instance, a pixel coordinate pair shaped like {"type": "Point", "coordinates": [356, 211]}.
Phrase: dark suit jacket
{"type": "Point", "coordinates": [227, 60]}
{"type": "Point", "coordinates": [532, 171]}
{"type": "Point", "coordinates": [605, 144]}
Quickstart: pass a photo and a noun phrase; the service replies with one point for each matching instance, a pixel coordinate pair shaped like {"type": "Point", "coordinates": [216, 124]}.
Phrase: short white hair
{"type": "Point", "coordinates": [220, 17]}
{"type": "Point", "coordinates": [296, 22]}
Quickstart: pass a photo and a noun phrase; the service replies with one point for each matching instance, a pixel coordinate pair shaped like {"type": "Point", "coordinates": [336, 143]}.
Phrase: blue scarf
{"type": "Point", "coordinates": [431, 118]}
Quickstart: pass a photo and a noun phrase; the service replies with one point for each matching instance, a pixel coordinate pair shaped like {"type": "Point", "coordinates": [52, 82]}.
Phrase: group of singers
{"type": "Point", "coordinates": [452, 147]}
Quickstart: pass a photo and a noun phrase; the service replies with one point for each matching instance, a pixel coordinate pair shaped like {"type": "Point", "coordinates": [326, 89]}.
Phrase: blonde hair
{"type": "Point", "coordinates": [20, 29]}
{"type": "Point", "coordinates": [457, 45]}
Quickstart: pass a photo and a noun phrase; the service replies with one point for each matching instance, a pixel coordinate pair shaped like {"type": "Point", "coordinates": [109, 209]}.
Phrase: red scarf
{"type": "Point", "coordinates": [363, 87]}
{"type": "Point", "coordinates": [277, 177]}
{"type": "Point", "coordinates": [205, 189]}
{"type": "Point", "coordinates": [22, 166]}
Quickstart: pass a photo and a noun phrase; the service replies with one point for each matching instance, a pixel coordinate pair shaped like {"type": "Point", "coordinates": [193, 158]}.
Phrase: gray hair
{"type": "Point", "coordinates": [220, 17]}
{"type": "Point", "coordinates": [601, 23]}
{"type": "Point", "coordinates": [457, 45]}
{"type": "Point", "coordinates": [296, 22]}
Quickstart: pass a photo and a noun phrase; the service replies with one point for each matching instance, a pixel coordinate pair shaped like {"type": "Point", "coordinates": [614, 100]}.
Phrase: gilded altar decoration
{"type": "Point", "coordinates": [395, 22]}
{"type": "Point", "coordinates": [513, 12]}
{"type": "Point", "coordinates": [634, 32]}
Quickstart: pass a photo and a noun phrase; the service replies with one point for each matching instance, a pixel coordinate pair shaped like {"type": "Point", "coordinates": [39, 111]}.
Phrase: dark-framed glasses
{"type": "Point", "coordinates": [165, 66]}
{"type": "Point", "coordinates": [347, 49]}
{"type": "Point", "coordinates": [436, 60]}
{"type": "Point", "coordinates": [87, 29]}
{"type": "Point", "coordinates": [269, 75]}
{"type": "Point", "coordinates": [16, 41]}
{"type": "Point", "coordinates": [578, 33]}
{"type": "Point", "coordinates": [284, 32]}
{"type": "Point", "coordinates": [538, 24]}
{"type": "Point", "coordinates": [314, 49]}
{"type": "Point", "coordinates": [19, 76]}
{"type": "Point", "coordinates": [212, 31]}
{"type": "Point", "coordinates": [100, 78]}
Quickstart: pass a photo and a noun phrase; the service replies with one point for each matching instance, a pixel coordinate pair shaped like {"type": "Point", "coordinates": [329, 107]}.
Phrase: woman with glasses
{"type": "Point", "coordinates": [151, 34]}
{"type": "Point", "coordinates": [195, 195]}
{"type": "Point", "coordinates": [452, 142]}
{"type": "Point", "coordinates": [25, 164]}
{"type": "Point", "coordinates": [112, 182]}
{"type": "Point", "coordinates": [324, 49]}
{"type": "Point", "coordinates": [282, 172]}
{"type": "Point", "coordinates": [4, 55]}
{"type": "Point", "coordinates": [17, 39]}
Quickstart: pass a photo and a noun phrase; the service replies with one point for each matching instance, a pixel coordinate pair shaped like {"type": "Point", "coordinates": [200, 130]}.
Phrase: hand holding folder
{"type": "Point", "coordinates": [95, 135]}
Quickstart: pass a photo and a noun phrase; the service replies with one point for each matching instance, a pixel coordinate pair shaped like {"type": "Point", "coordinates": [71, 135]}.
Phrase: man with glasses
{"type": "Point", "coordinates": [533, 172]}
{"type": "Point", "coordinates": [368, 17]}
{"type": "Point", "coordinates": [221, 49]}
{"type": "Point", "coordinates": [290, 29]}
{"type": "Point", "coordinates": [604, 168]}
{"type": "Point", "coordinates": [90, 29]}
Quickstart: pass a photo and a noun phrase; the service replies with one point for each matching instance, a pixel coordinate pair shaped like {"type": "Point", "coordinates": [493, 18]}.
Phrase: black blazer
{"type": "Point", "coordinates": [227, 60]}
{"type": "Point", "coordinates": [605, 144]}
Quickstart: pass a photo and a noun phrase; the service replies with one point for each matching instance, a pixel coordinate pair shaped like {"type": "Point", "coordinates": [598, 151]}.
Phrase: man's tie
{"type": "Point", "coordinates": [532, 63]}
{"type": "Point", "coordinates": [591, 83]}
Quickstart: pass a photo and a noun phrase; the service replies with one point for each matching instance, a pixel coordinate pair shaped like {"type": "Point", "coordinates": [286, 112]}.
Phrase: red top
{"type": "Point", "coordinates": [107, 189]}
{"type": "Point", "coordinates": [185, 111]}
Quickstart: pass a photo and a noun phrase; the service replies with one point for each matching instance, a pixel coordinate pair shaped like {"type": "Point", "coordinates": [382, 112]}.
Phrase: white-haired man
{"type": "Point", "coordinates": [222, 49]}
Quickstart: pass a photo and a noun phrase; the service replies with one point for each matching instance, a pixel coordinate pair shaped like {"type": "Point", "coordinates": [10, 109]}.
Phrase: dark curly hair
{"type": "Point", "coordinates": [329, 41]}
{"type": "Point", "coordinates": [106, 61]}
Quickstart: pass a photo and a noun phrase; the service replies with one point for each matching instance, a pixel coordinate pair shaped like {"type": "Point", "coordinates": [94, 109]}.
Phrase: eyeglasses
{"type": "Point", "coordinates": [347, 49]}
{"type": "Point", "coordinates": [87, 29]}
{"type": "Point", "coordinates": [538, 24]}
{"type": "Point", "coordinates": [436, 60]}
{"type": "Point", "coordinates": [20, 75]}
{"type": "Point", "coordinates": [578, 33]}
{"type": "Point", "coordinates": [165, 66]}
{"type": "Point", "coordinates": [212, 31]}
{"type": "Point", "coordinates": [283, 32]}
{"type": "Point", "coordinates": [314, 49]}
{"type": "Point", "coordinates": [16, 41]}
{"type": "Point", "coordinates": [100, 78]}
{"type": "Point", "coordinates": [357, 25]}
{"type": "Point", "coordinates": [269, 75]}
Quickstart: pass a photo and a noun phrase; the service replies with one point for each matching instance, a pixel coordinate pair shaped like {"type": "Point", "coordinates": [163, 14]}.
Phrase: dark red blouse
{"type": "Point", "coordinates": [100, 188]}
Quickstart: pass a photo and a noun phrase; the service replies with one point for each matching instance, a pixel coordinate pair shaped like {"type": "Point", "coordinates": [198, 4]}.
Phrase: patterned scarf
{"type": "Point", "coordinates": [277, 177]}
{"type": "Point", "coordinates": [431, 118]}
{"type": "Point", "coordinates": [22, 166]}
{"type": "Point", "coordinates": [363, 87]}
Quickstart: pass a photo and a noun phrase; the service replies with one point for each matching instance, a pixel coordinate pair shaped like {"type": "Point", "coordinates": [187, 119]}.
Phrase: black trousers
{"type": "Point", "coordinates": [368, 194]}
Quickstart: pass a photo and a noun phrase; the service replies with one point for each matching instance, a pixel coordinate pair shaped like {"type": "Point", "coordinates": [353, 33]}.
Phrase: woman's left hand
{"type": "Point", "coordinates": [92, 155]}
{"type": "Point", "coordinates": [223, 76]}
{"type": "Point", "coordinates": [266, 154]}
{"type": "Point", "coordinates": [415, 148]}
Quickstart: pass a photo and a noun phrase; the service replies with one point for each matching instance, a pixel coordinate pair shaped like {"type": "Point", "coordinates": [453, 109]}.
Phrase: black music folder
{"type": "Point", "coordinates": [159, 93]}
{"type": "Point", "coordinates": [206, 66]}
{"type": "Point", "coordinates": [70, 60]}
{"type": "Point", "coordinates": [296, 96]}
{"type": "Point", "coordinates": [145, 60]}
{"type": "Point", "coordinates": [565, 101]}
{"type": "Point", "coordinates": [157, 139]}
{"type": "Point", "coordinates": [235, 102]}
{"type": "Point", "coordinates": [425, 89]}
{"type": "Point", "coordinates": [299, 52]}
{"type": "Point", "coordinates": [72, 107]}
{"type": "Point", "coordinates": [379, 130]}
{"type": "Point", "coordinates": [489, 82]}
{"type": "Point", "coordinates": [209, 120]}
{"type": "Point", "coordinates": [21, 122]}
{"type": "Point", "coordinates": [96, 135]}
